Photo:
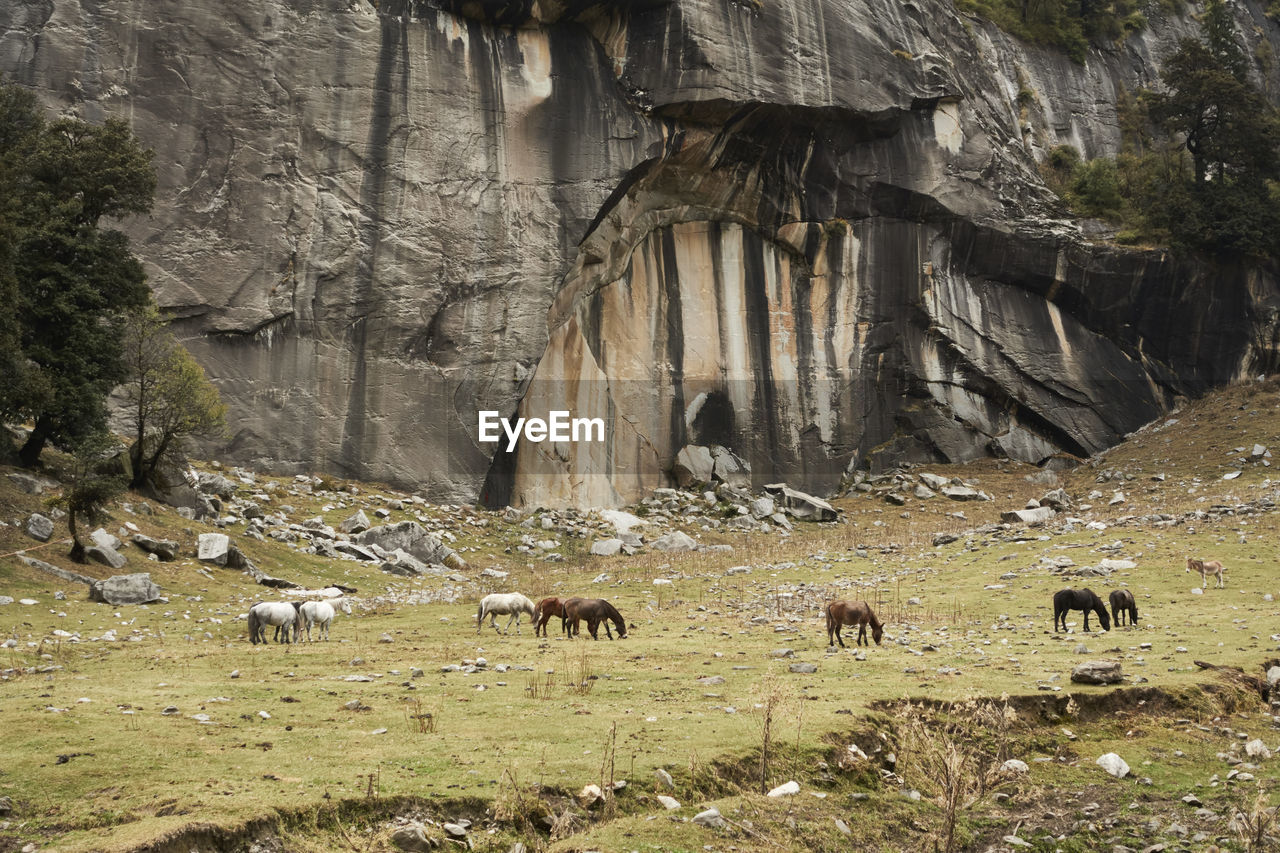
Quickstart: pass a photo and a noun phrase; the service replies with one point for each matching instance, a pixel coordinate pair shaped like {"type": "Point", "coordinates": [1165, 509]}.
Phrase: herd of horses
{"type": "Point", "coordinates": [293, 617]}
{"type": "Point", "coordinates": [299, 616]}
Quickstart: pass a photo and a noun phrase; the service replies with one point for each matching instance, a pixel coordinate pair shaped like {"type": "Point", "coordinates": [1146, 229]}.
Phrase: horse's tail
{"type": "Point", "coordinates": [480, 615]}
{"type": "Point", "coordinates": [831, 618]}
{"type": "Point", "coordinates": [253, 626]}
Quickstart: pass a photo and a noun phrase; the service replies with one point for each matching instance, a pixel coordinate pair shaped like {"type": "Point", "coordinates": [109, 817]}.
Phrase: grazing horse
{"type": "Point", "coordinates": [548, 607]}
{"type": "Point", "coordinates": [841, 613]}
{"type": "Point", "coordinates": [281, 614]}
{"type": "Point", "coordinates": [1122, 602]}
{"type": "Point", "coordinates": [1206, 568]}
{"type": "Point", "coordinates": [320, 614]}
{"type": "Point", "coordinates": [512, 603]}
{"type": "Point", "coordinates": [595, 611]}
{"type": "Point", "coordinates": [1078, 599]}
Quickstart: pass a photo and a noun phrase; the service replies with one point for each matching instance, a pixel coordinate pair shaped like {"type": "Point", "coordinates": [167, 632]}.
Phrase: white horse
{"type": "Point", "coordinates": [320, 614]}
{"type": "Point", "coordinates": [282, 614]}
{"type": "Point", "coordinates": [503, 602]}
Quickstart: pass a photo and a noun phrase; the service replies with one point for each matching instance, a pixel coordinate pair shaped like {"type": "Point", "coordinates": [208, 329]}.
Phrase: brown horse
{"type": "Point", "coordinates": [1206, 568]}
{"type": "Point", "coordinates": [1122, 603]}
{"type": "Point", "coordinates": [594, 611]}
{"type": "Point", "coordinates": [548, 607]}
{"type": "Point", "coordinates": [841, 613]}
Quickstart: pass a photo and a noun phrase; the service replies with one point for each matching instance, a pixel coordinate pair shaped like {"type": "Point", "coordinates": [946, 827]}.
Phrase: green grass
{"type": "Point", "coordinates": [130, 778]}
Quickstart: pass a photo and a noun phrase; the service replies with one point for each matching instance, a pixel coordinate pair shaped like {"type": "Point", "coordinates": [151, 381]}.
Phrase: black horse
{"type": "Point", "coordinates": [1121, 603]}
{"type": "Point", "coordinates": [1078, 599]}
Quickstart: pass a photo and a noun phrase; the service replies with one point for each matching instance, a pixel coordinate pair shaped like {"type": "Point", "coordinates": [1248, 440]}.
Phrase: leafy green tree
{"type": "Point", "coordinates": [20, 124]}
{"type": "Point", "coordinates": [1231, 133]}
{"type": "Point", "coordinates": [69, 277]}
{"type": "Point", "coordinates": [91, 483]}
{"type": "Point", "coordinates": [166, 394]}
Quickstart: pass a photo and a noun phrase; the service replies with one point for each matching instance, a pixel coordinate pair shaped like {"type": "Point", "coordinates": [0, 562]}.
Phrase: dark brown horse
{"type": "Point", "coordinates": [548, 607]}
{"type": "Point", "coordinates": [1121, 603]}
{"type": "Point", "coordinates": [841, 613]}
{"type": "Point", "coordinates": [1065, 600]}
{"type": "Point", "coordinates": [594, 611]}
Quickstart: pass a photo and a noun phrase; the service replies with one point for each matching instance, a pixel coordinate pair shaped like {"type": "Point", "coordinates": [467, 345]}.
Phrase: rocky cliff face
{"type": "Point", "coordinates": [809, 231]}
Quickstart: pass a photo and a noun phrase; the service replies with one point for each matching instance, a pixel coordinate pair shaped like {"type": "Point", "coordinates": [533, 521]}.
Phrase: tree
{"type": "Point", "coordinates": [20, 123]}
{"type": "Point", "coordinates": [90, 486]}
{"type": "Point", "coordinates": [69, 278]}
{"type": "Point", "coordinates": [1230, 132]}
{"type": "Point", "coordinates": [167, 394]}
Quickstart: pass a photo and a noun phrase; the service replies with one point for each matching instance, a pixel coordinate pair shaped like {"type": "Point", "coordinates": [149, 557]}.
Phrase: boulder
{"type": "Point", "coordinates": [401, 562]}
{"type": "Point", "coordinates": [965, 493]}
{"type": "Point", "coordinates": [125, 589]}
{"type": "Point", "coordinates": [785, 790]}
{"type": "Point", "coordinates": [357, 523]}
{"type": "Point", "coordinates": [1039, 515]}
{"type": "Point", "coordinates": [55, 571]}
{"type": "Point", "coordinates": [216, 484]}
{"type": "Point", "coordinates": [622, 521]}
{"type": "Point", "coordinates": [606, 547]}
{"type": "Point", "coordinates": [109, 557]}
{"type": "Point", "coordinates": [1058, 499]}
{"type": "Point", "coordinates": [1273, 676]}
{"type": "Point", "coordinates": [412, 537]}
{"type": "Point", "coordinates": [693, 466]}
{"type": "Point", "coordinates": [39, 527]}
{"type": "Point", "coordinates": [414, 839]}
{"type": "Point", "coordinates": [165, 549]}
{"type": "Point", "coordinates": [1097, 672]}
{"type": "Point", "coordinates": [668, 803]}
{"type": "Point", "coordinates": [1113, 764]}
{"type": "Point", "coordinates": [213, 548]}
{"type": "Point", "coordinates": [762, 507]}
{"type": "Point", "coordinates": [675, 542]}
{"type": "Point", "coordinates": [32, 484]}
{"type": "Point", "coordinates": [351, 549]}
{"type": "Point", "coordinates": [933, 481]}
{"type": "Point", "coordinates": [728, 468]}
{"type": "Point", "coordinates": [1257, 749]}
{"type": "Point", "coordinates": [710, 818]}
{"type": "Point", "coordinates": [1013, 765]}
{"type": "Point", "coordinates": [104, 539]}
{"type": "Point", "coordinates": [801, 505]}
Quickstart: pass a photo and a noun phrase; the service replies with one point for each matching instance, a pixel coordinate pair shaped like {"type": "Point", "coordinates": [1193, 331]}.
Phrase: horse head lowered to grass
{"type": "Point", "coordinates": [1078, 599]}
{"type": "Point", "coordinates": [594, 611]}
{"type": "Point", "coordinates": [841, 613]}
{"type": "Point", "coordinates": [504, 603]}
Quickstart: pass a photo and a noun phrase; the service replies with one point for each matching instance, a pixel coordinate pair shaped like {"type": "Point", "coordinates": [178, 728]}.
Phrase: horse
{"type": "Point", "coordinates": [841, 613]}
{"type": "Point", "coordinates": [512, 603]}
{"type": "Point", "coordinates": [594, 611]}
{"type": "Point", "coordinates": [1206, 568]}
{"type": "Point", "coordinates": [548, 607]}
{"type": "Point", "coordinates": [281, 614]}
{"type": "Point", "coordinates": [320, 614]}
{"type": "Point", "coordinates": [1078, 599]}
{"type": "Point", "coordinates": [1121, 603]}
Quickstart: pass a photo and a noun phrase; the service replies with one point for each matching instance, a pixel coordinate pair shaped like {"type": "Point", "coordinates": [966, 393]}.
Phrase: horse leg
{"type": "Point", "coordinates": [839, 639]}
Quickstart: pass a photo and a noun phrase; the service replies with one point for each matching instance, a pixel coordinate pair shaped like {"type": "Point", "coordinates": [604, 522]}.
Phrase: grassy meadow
{"type": "Point", "coordinates": [334, 745]}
